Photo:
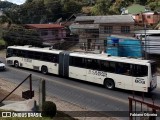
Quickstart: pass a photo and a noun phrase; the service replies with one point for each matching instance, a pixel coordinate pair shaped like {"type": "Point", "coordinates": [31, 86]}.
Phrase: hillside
{"type": "Point", "coordinates": [6, 4]}
{"type": "Point", "coordinates": [45, 11]}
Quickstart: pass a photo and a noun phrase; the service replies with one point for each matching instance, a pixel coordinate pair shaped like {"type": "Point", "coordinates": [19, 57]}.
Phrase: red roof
{"type": "Point", "coordinates": [43, 26]}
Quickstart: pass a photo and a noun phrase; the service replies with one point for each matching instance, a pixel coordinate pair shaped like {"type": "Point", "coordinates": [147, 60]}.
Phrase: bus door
{"type": "Point", "coordinates": [92, 70]}
{"type": "Point", "coordinates": [26, 60]}
{"type": "Point", "coordinates": [140, 77]}
{"type": "Point", "coordinates": [64, 64]}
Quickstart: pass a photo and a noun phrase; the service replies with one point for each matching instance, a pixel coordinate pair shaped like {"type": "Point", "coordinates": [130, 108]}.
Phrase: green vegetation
{"type": "Point", "coordinates": [49, 109]}
{"type": "Point", "coordinates": [45, 11]}
{"type": "Point", "coordinates": [17, 35]}
{"type": "Point", "coordinates": [2, 42]}
{"type": "Point", "coordinates": [6, 4]}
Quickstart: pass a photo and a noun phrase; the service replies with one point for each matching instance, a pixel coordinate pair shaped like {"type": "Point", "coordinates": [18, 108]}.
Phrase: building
{"type": "Point", "coordinates": [93, 30]}
{"type": "Point", "coordinates": [142, 15]}
{"type": "Point", "coordinates": [150, 40]}
{"type": "Point", "coordinates": [134, 9]}
{"type": "Point", "coordinates": [148, 18]}
{"type": "Point", "coordinates": [50, 33]}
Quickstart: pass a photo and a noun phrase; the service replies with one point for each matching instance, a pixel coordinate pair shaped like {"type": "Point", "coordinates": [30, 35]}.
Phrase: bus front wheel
{"type": "Point", "coordinates": [44, 70]}
{"type": "Point", "coordinates": [109, 84]}
{"type": "Point", "coordinates": [16, 64]}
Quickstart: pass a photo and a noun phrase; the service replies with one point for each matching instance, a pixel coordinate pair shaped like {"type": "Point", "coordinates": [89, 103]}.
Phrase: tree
{"type": "Point", "coordinates": [54, 9]}
{"type": "Point", "coordinates": [141, 2]}
{"type": "Point", "coordinates": [71, 7]}
{"type": "Point", "coordinates": [5, 20]}
{"type": "Point", "coordinates": [32, 12]}
{"type": "Point", "coordinates": [6, 4]}
{"type": "Point", "coordinates": [155, 6]}
{"type": "Point", "coordinates": [17, 35]}
{"type": "Point", "coordinates": [101, 7]}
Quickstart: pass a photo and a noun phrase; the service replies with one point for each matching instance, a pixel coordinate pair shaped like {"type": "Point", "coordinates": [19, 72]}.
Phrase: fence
{"type": "Point", "coordinates": [141, 110]}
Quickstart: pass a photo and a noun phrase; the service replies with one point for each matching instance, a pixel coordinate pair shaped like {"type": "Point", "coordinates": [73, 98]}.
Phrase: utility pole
{"type": "Point", "coordinates": [145, 41]}
{"type": "Point", "coordinates": [146, 54]}
{"type": "Point", "coordinates": [42, 93]}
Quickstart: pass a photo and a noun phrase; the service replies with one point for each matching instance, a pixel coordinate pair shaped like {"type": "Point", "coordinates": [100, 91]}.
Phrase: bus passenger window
{"type": "Point", "coordinates": [140, 70]}
{"type": "Point", "coordinates": [112, 67]}
{"type": "Point", "coordinates": [104, 65]}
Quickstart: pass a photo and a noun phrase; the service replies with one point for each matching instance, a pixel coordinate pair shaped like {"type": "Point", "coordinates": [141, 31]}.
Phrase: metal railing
{"type": "Point", "coordinates": [141, 110]}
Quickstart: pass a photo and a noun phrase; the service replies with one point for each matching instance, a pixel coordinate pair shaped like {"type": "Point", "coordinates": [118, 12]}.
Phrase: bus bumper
{"type": "Point", "coordinates": [10, 62]}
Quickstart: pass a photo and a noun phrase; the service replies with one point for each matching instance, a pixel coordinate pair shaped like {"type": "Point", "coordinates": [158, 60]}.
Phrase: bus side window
{"type": "Point", "coordinates": [14, 52]}
{"type": "Point", "coordinates": [104, 65]}
{"type": "Point", "coordinates": [37, 55]}
{"type": "Point", "coordinates": [31, 54]}
{"type": "Point", "coordinates": [89, 63]}
{"type": "Point", "coordinates": [112, 67]}
{"type": "Point", "coordinates": [119, 68]}
{"type": "Point", "coordinates": [140, 70]}
{"type": "Point", "coordinates": [77, 62]}
{"type": "Point", "coordinates": [127, 69]}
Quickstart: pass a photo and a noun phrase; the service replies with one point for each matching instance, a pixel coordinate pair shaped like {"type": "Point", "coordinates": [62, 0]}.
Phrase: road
{"type": "Point", "coordinates": [90, 96]}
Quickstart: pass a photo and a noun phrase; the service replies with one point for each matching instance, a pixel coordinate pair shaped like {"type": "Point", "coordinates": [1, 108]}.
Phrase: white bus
{"type": "Point", "coordinates": [112, 72]}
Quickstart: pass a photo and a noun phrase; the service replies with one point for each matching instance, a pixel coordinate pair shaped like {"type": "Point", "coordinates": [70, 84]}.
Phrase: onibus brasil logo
{"type": "Point", "coordinates": [20, 114]}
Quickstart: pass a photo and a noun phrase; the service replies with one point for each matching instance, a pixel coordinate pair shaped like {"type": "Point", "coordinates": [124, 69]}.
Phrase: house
{"type": "Point", "coordinates": [157, 26]}
{"type": "Point", "coordinates": [134, 9]}
{"type": "Point", "coordinates": [71, 19]}
{"type": "Point", "coordinates": [142, 15]}
{"type": "Point", "coordinates": [93, 30]}
{"type": "Point", "coordinates": [87, 31]}
{"type": "Point", "coordinates": [50, 33]}
{"type": "Point", "coordinates": [148, 18]}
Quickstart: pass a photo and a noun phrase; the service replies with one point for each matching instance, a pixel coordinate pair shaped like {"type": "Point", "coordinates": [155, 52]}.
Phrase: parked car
{"type": "Point", "coordinates": [2, 66]}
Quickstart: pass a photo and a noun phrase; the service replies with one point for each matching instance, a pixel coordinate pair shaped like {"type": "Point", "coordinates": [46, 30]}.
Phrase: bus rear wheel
{"type": "Point", "coordinates": [44, 70]}
{"type": "Point", "coordinates": [16, 64]}
{"type": "Point", "coordinates": [109, 84]}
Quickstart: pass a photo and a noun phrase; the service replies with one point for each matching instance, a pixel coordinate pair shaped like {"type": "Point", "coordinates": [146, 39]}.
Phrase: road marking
{"type": "Point", "coordinates": [76, 87]}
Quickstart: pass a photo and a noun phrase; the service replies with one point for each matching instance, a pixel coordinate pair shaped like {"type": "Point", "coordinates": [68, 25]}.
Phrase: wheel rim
{"type": "Point", "coordinates": [109, 84]}
{"type": "Point", "coordinates": [44, 70]}
{"type": "Point", "coordinates": [16, 64]}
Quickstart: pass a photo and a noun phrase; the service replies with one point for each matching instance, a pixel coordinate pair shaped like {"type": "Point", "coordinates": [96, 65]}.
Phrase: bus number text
{"type": "Point", "coordinates": [98, 73]}
{"type": "Point", "coordinates": [27, 60]}
{"type": "Point", "coordinates": [139, 80]}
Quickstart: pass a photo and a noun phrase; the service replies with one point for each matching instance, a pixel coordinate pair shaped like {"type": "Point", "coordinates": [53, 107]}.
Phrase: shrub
{"type": "Point", "coordinates": [49, 109]}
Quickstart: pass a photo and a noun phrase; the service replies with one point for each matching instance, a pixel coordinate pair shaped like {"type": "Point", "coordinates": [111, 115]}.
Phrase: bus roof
{"type": "Point", "coordinates": [28, 47]}
{"type": "Point", "coordinates": [86, 55]}
{"type": "Point", "coordinates": [110, 58]}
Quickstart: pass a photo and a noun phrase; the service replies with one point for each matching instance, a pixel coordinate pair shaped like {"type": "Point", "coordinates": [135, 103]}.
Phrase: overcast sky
{"type": "Point", "coordinates": [16, 1]}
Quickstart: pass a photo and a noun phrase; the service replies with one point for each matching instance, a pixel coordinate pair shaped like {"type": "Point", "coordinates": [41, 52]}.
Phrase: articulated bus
{"type": "Point", "coordinates": [112, 72]}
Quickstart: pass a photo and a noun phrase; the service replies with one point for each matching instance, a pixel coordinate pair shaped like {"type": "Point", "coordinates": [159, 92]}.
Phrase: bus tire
{"type": "Point", "coordinates": [109, 84]}
{"type": "Point", "coordinates": [16, 64]}
{"type": "Point", "coordinates": [44, 70]}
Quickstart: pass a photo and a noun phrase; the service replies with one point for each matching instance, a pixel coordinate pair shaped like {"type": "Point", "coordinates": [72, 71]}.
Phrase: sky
{"type": "Point", "coordinates": [18, 2]}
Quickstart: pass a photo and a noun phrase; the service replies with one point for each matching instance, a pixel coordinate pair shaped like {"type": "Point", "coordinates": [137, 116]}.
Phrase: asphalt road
{"type": "Point", "coordinates": [90, 96]}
